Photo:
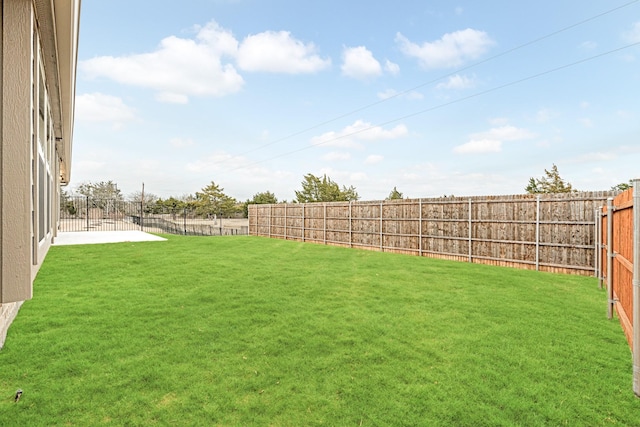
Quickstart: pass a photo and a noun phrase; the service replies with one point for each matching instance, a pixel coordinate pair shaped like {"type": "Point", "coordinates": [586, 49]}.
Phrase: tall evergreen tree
{"type": "Point", "coordinates": [211, 200]}
{"type": "Point", "coordinates": [395, 194]}
{"type": "Point", "coordinates": [316, 189]}
{"type": "Point", "coordinates": [551, 182]}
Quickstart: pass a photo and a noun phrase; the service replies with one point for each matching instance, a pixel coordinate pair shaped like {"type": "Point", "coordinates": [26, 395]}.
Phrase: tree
{"type": "Point", "coordinates": [551, 182]}
{"type": "Point", "coordinates": [395, 194]}
{"type": "Point", "coordinates": [66, 203]}
{"type": "Point", "coordinates": [315, 189]}
{"type": "Point", "coordinates": [103, 190]}
{"type": "Point", "coordinates": [623, 186]}
{"type": "Point", "coordinates": [149, 198]}
{"type": "Point", "coordinates": [102, 195]}
{"type": "Point", "coordinates": [264, 198]}
{"type": "Point", "coordinates": [211, 200]}
{"type": "Point", "coordinates": [172, 204]}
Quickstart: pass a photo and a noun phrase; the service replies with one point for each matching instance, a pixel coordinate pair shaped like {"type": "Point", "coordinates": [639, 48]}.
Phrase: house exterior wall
{"type": "Point", "coordinates": [38, 56]}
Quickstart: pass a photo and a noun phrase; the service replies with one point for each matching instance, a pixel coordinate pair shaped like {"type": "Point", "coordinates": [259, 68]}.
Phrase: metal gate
{"type": "Point", "coordinates": [85, 214]}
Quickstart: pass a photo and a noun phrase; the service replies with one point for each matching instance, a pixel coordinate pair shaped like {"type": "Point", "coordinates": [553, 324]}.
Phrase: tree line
{"type": "Point", "coordinates": [212, 200]}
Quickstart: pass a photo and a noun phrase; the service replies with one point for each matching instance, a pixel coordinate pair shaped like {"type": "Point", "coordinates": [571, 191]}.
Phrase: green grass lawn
{"type": "Point", "coordinates": [248, 331]}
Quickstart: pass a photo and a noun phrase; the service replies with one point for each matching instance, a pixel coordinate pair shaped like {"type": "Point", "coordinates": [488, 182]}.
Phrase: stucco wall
{"type": "Point", "coordinates": [8, 312]}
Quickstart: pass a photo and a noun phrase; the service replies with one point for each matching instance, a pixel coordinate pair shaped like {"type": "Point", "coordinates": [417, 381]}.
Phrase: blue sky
{"type": "Point", "coordinates": [464, 98]}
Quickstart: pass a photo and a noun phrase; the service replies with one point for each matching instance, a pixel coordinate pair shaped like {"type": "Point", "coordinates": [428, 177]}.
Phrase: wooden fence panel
{"type": "Point", "coordinates": [544, 232]}
{"type": "Point", "coordinates": [620, 279]}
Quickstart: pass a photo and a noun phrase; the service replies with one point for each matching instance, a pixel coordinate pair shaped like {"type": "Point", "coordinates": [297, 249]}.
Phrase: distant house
{"type": "Point", "coordinates": [38, 53]}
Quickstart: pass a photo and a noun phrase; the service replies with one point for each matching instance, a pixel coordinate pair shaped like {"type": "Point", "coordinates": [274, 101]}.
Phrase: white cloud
{"type": "Point", "coordinates": [178, 68]}
{"type": "Point", "coordinates": [373, 159]}
{"type": "Point", "coordinates": [479, 146]}
{"type": "Point", "coordinates": [507, 133]}
{"type": "Point", "coordinates": [391, 68]}
{"type": "Point", "coordinates": [279, 52]}
{"type": "Point", "coordinates": [98, 107]}
{"type": "Point", "coordinates": [491, 141]}
{"type": "Point", "coordinates": [457, 82]}
{"type": "Point", "coordinates": [633, 35]}
{"type": "Point", "coordinates": [358, 176]}
{"type": "Point", "coordinates": [452, 50]}
{"type": "Point", "coordinates": [359, 63]}
{"type": "Point", "coordinates": [595, 157]}
{"type": "Point", "coordinates": [359, 131]}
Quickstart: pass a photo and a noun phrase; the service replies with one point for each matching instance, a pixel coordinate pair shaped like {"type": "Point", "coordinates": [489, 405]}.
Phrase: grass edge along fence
{"type": "Point", "coordinates": [545, 232]}
{"type": "Point", "coordinates": [618, 264]}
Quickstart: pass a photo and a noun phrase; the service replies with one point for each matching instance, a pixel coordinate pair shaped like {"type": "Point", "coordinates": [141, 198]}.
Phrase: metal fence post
{"type": "Point", "coordinates": [87, 210]}
{"type": "Point", "coordinates": [610, 256]}
{"type": "Point", "coordinates": [324, 225]}
{"type": "Point", "coordinates": [184, 220]}
{"type": "Point", "coordinates": [381, 226]}
{"type": "Point", "coordinates": [538, 233]}
{"type": "Point", "coordinates": [350, 229]}
{"type": "Point", "coordinates": [470, 231]}
{"type": "Point", "coordinates": [636, 286]}
{"type": "Point", "coordinates": [420, 226]}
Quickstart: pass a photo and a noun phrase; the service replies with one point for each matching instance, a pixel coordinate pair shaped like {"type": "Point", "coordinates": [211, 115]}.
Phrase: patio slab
{"type": "Point", "coordinates": [94, 237]}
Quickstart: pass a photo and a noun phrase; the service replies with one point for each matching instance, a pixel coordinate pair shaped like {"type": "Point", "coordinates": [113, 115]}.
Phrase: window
{"type": "Point", "coordinates": [43, 154]}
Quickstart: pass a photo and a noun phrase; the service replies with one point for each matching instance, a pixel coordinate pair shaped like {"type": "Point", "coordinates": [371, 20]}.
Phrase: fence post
{"type": "Point", "coordinates": [141, 215]}
{"type": "Point", "coordinates": [303, 208]}
{"type": "Point", "coordinates": [420, 226]}
{"type": "Point", "coordinates": [324, 225]}
{"type": "Point", "coordinates": [636, 287]}
{"type": "Point", "coordinates": [381, 232]}
{"type": "Point", "coordinates": [598, 238]}
{"type": "Point", "coordinates": [350, 230]}
{"type": "Point", "coordinates": [610, 258]}
{"type": "Point", "coordinates": [470, 232]}
{"type": "Point", "coordinates": [601, 246]}
{"type": "Point", "coordinates": [285, 222]}
{"type": "Point", "coordinates": [87, 210]}
{"type": "Point", "coordinates": [538, 233]}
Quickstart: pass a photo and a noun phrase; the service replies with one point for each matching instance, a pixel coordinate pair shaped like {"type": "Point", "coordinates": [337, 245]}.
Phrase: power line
{"type": "Point", "coordinates": [446, 104]}
{"type": "Point", "coordinates": [430, 82]}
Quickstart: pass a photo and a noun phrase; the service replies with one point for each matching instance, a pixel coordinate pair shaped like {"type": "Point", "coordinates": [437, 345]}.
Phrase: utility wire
{"type": "Point", "coordinates": [446, 104]}
{"type": "Point", "coordinates": [430, 82]}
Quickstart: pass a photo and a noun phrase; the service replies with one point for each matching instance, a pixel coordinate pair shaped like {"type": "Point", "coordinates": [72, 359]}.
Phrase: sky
{"type": "Point", "coordinates": [433, 98]}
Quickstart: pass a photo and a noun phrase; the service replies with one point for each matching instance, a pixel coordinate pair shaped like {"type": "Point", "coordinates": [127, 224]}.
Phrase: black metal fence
{"type": "Point", "coordinates": [87, 214]}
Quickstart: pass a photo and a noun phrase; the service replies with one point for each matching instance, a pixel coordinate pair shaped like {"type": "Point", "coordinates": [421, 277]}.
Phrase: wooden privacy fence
{"type": "Point", "coordinates": [618, 263]}
{"type": "Point", "coordinates": [548, 232]}
{"type": "Point", "coordinates": [615, 256]}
